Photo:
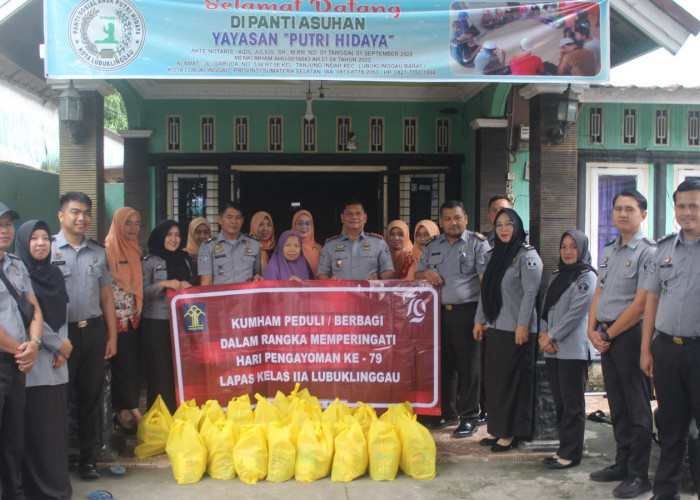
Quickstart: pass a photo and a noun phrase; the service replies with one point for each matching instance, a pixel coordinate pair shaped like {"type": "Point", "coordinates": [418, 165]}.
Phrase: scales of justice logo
{"type": "Point", "coordinates": [106, 35]}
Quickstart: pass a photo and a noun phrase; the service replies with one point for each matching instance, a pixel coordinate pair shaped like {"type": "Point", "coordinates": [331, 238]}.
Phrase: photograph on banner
{"type": "Point", "coordinates": [348, 40]}
{"type": "Point", "coordinates": [370, 341]}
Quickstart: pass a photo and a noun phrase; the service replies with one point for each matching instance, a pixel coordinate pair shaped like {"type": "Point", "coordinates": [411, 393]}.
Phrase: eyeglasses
{"type": "Point", "coordinates": [504, 224]}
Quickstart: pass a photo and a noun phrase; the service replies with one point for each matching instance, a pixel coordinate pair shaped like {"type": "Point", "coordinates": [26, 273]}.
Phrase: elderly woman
{"type": "Point", "coordinates": [564, 340]}
{"type": "Point", "coordinates": [303, 223]}
{"type": "Point", "coordinates": [263, 229]}
{"type": "Point", "coordinates": [507, 308]}
{"type": "Point", "coordinates": [422, 233]}
{"type": "Point", "coordinates": [166, 267]}
{"type": "Point", "coordinates": [124, 257]}
{"type": "Point", "coordinates": [46, 412]}
{"type": "Point", "coordinates": [198, 232]}
{"type": "Point", "coordinates": [399, 240]}
{"type": "Point", "coordinates": [287, 262]}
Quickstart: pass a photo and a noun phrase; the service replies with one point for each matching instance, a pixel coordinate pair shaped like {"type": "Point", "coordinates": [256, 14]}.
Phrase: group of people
{"type": "Point", "coordinates": [68, 303]}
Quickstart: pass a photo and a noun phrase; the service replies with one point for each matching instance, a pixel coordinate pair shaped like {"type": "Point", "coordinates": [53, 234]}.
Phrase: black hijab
{"type": "Point", "coordinates": [47, 280]}
{"type": "Point", "coordinates": [179, 265]}
{"type": "Point", "coordinates": [502, 256]}
{"type": "Point", "coordinates": [568, 273]}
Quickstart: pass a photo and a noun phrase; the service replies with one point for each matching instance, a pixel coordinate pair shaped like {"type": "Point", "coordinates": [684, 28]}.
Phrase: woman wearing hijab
{"type": "Point", "coordinates": [45, 472]}
{"type": "Point", "coordinates": [124, 257]}
{"type": "Point", "coordinates": [287, 262]}
{"type": "Point", "coordinates": [167, 267]}
{"type": "Point", "coordinates": [564, 340]}
{"type": "Point", "coordinates": [400, 246]}
{"type": "Point", "coordinates": [303, 223]}
{"type": "Point", "coordinates": [198, 232]}
{"type": "Point", "coordinates": [507, 305]}
{"type": "Point", "coordinates": [422, 233]}
{"type": "Point", "coordinates": [263, 229]}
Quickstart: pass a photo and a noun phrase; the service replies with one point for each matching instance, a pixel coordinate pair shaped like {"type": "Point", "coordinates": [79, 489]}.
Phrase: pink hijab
{"type": "Point", "coordinates": [417, 253]}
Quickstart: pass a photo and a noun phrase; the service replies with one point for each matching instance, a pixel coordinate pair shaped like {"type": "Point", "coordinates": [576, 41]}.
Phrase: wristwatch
{"type": "Point", "coordinates": [36, 340]}
{"type": "Point", "coordinates": [606, 337]}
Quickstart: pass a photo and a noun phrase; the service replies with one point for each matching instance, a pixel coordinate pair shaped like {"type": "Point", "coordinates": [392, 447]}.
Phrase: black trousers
{"type": "Point", "coordinates": [86, 373]}
{"type": "Point", "coordinates": [482, 394]}
{"type": "Point", "coordinates": [510, 382]}
{"type": "Point", "coordinates": [158, 356]}
{"type": "Point", "coordinates": [12, 396]}
{"type": "Point", "coordinates": [461, 363]}
{"type": "Point", "coordinates": [567, 379]}
{"type": "Point", "coordinates": [677, 383]}
{"type": "Point", "coordinates": [46, 443]}
{"type": "Point", "coordinates": [628, 397]}
{"type": "Point", "coordinates": [126, 368]}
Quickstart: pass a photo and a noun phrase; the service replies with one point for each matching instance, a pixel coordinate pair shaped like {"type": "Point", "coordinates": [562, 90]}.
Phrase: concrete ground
{"type": "Point", "coordinates": [464, 471]}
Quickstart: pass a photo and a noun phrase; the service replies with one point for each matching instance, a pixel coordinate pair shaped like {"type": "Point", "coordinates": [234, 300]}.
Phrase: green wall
{"type": "Point", "coordinates": [521, 187]}
{"type": "Point", "coordinates": [30, 192]}
{"type": "Point", "coordinates": [114, 199]}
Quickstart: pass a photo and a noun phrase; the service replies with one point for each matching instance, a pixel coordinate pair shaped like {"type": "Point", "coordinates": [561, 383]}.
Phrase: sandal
{"type": "Point", "coordinates": [101, 495]}
{"type": "Point", "coordinates": [599, 416]}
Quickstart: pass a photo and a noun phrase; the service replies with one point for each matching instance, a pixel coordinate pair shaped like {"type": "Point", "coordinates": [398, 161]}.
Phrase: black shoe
{"type": "Point", "coordinates": [665, 497]}
{"type": "Point", "coordinates": [465, 429]}
{"type": "Point", "coordinates": [498, 448]}
{"type": "Point", "coordinates": [481, 419]}
{"type": "Point", "coordinates": [632, 487]}
{"type": "Point", "coordinates": [443, 422]}
{"type": "Point", "coordinates": [488, 441]}
{"type": "Point", "coordinates": [611, 473]}
{"type": "Point", "coordinates": [549, 460]}
{"type": "Point", "coordinates": [557, 465]}
{"type": "Point", "coordinates": [88, 472]}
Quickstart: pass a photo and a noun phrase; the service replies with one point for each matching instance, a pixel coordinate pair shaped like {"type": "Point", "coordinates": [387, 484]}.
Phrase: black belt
{"type": "Point", "coordinates": [456, 307]}
{"type": "Point", "coordinates": [85, 322]}
{"type": "Point", "coordinates": [672, 339]}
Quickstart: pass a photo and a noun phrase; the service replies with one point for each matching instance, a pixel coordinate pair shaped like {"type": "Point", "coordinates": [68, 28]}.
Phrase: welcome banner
{"type": "Point", "coordinates": [370, 341]}
{"type": "Point", "coordinates": [374, 40]}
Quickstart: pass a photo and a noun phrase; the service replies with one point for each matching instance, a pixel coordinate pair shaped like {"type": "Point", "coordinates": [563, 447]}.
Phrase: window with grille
{"type": "Point", "coordinates": [241, 134]}
{"type": "Point", "coordinates": [420, 196]}
{"type": "Point", "coordinates": [207, 133]}
{"type": "Point", "coordinates": [442, 135]}
{"type": "Point", "coordinates": [693, 127]}
{"type": "Point", "coordinates": [376, 134]}
{"type": "Point", "coordinates": [173, 133]}
{"type": "Point", "coordinates": [343, 124]}
{"type": "Point", "coordinates": [629, 126]}
{"type": "Point", "coordinates": [661, 127]}
{"type": "Point", "coordinates": [275, 135]}
{"type": "Point", "coordinates": [308, 135]}
{"type": "Point", "coordinates": [595, 125]}
{"type": "Point", "coordinates": [410, 135]}
{"type": "Point", "coordinates": [191, 195]}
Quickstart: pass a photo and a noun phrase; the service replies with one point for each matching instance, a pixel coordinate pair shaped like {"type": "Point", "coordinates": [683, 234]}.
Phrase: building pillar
{"type": "Point", "coordinates": [137, 192]}
{"type": "Point", "coordinates": [491, 165]}
{"type": "Point", "coordinates": [82, 164]}
{"type": "Point", "coordinates": [553, 210]}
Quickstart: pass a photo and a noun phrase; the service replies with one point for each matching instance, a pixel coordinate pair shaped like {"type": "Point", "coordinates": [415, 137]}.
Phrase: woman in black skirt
{"type": "Point", "coordinates": [506, 314]}
{"type": "Point", "coordinates": [167, 266]}
{"type": "Point", "coordinates": [45, 471]}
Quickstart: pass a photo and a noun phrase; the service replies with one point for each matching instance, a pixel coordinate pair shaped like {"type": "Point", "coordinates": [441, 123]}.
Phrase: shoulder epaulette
{"type": "Point", "coordinates": [611, 242]}
{"type": "Point", "coordinates": [332, 238]}
{"type": "Point", "coordinates": [252, 236]}
{"type": "Point", "coordinates": [210, 239]}
{"type": "Point", "coordinates": [431, 239]}
{"type": "Point", "coordinates": [96, 242]}
{"type": "Point", "coordinates": [651, 241]}
{"type": "Point", "coordinates": [480, 236]}
{"type": "Point", "coordinates": [667, 237]}
{"type": "Point", "coordinates": [376, 235]}
{"type": "Point", "coordinates": [13, 256]}
{"type": "Point", "coordinates": [527, 246]}
{"type": "Point", "coordinates": [146, 257]}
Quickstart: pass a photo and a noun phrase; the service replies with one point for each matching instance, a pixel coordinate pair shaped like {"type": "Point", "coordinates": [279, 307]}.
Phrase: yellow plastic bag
{"type": "Point", "coordinates": [281, 453]}
{"type": "Point", "coordinates": [281, 403]}
{"type": "Point", "coordinates": [220, 438]}
{"type": "Point", "coordinates": [418, 450]}
{"type": "Point", "coordinates": [212, 410]}
{"type": "Point", "coordinates": [314, 451]}
{"type": "Point", "coordinates": [350, 458]}
{"type": "Point", "coordinates": [365, 415]}
{"type": "Point", "coordinates": [265, 413]}
{"type": "Point", "coordinates": [384, 451]}
{"type": "Point", "coordinates": [335, 413]}
{"type": "Point", "coordinates": [250, 454]}
{"type": "Point", "coordinates": [189, 410]}
{"type": "Point", "coordinates": [153, 430]}
{"type": "Point", "coordinates": [394, 412]}
{"type": "Point", "coordinates": [240, 412]}
{"type": "Point", "coordinates": [187, 452]}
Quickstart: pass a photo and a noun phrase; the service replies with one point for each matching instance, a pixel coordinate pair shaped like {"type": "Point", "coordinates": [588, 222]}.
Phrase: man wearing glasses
{"type": "Point", "coordinates": [355, 254]}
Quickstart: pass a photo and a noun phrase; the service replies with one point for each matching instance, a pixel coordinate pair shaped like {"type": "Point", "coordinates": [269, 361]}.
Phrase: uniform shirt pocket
{"type": "Point", "coordinates": [435, 259]}
{"type": "Point", "coordinates": [667, 276]}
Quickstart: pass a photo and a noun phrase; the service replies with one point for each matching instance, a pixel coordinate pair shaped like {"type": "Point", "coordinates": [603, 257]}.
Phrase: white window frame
{"type": "Point", "coordinates": [643, 172]}
{"type": "Point", "coordinates": [172, 195]}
